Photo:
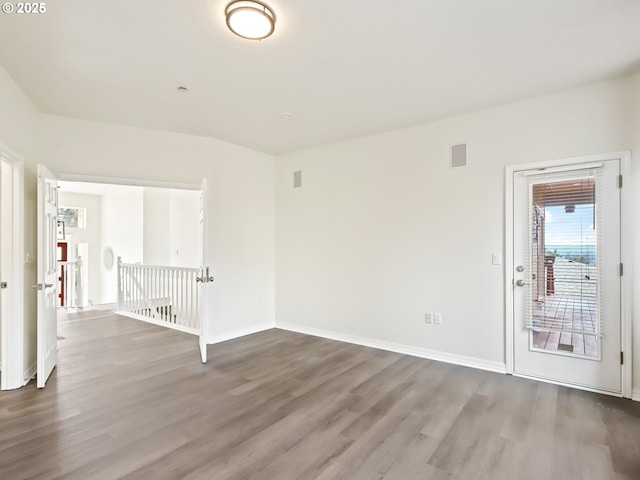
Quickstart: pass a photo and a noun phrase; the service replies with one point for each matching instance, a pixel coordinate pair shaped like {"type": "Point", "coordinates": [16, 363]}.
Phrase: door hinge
{"type": "Point", "coordinates": [4, 285]}
{"type": "Point", "coordinates": [619, 181]}
{"type": "Point", "coordinates": [621, 269]}
{"type": "Point", "coordinates": [621, 358]}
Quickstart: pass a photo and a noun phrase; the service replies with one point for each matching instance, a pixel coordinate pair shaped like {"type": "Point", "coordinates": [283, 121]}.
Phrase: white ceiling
{"type": "Point", "coordinates": [343, 68]}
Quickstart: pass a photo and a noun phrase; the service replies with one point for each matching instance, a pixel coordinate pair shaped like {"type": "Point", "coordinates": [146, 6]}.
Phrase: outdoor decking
{"type": "Point", "coordinates": [572, 307]}
{"type": "Point", "coordinates": [569, 312]}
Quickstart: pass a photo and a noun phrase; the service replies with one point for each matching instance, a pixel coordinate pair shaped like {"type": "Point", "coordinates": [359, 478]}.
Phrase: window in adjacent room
{"type": "Point", "coordinates": [73, 217]}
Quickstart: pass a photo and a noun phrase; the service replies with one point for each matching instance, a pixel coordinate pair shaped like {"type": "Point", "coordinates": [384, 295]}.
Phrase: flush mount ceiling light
{"type": "Point", "coordinates": [250, 20]}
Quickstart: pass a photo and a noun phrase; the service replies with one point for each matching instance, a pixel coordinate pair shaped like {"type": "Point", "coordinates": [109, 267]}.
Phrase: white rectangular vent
{"type": "Point", "coordinates": [459, 155]}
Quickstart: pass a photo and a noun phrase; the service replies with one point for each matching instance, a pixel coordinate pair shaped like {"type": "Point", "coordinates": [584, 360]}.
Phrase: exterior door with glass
{"type": "Point", "coordinates": [566, 278]}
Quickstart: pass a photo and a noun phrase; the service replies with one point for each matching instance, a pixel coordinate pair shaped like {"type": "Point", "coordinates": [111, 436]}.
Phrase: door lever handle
{"type": "Point", "coordinates": [205, 278]}
{"type": "Point", "coordinates": [521, 283]}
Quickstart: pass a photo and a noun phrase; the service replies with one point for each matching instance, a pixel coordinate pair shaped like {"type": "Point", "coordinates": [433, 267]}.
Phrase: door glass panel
{"type": "Point", "coordinates": [564, 308]}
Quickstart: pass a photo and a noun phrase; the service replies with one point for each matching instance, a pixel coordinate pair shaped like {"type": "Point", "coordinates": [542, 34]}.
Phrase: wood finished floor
{"type": "Point", "coordinates": [569, 312]}
{"type": "Point", "coordinates": [132, 400]}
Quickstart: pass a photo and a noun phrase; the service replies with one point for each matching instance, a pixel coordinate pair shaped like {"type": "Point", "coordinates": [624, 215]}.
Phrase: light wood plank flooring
{"type": "Point", "coordinates": [132, 400]}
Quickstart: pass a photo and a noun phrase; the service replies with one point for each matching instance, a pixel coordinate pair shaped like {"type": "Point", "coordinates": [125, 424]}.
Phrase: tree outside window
{"type": "Point", "coordinates": [73, 217]}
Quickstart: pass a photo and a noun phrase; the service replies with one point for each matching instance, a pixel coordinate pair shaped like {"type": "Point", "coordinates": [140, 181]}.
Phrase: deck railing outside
{"type": "Point", "coordinates": [166, 296]}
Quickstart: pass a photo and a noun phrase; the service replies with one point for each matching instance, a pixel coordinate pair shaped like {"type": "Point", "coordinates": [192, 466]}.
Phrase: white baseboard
{"type": "Point", "coordinates": [239, 333]}
{"type": "Point", "coordinates": [439, 356]}
{"type": "Point", "coordinates": [635, 395]}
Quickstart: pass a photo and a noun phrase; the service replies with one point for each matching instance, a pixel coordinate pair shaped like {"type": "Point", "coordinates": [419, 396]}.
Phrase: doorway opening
{"type": "Point", "coordinates": [50, 227]}
{"type": "Point", "coordinates": [99, 223]}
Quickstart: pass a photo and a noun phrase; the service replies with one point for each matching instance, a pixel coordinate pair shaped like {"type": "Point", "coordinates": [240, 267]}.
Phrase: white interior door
{"type": "Point", "coordinates": [204, 273]}
{"type": "Point", "coordinates": [566, 278]}
{"type": "Point", "coordinates": [47, 328]}
{"type": "Point", "coordinates": [11, 270]}
{"type": "Point", "coordinates": [6, 252]}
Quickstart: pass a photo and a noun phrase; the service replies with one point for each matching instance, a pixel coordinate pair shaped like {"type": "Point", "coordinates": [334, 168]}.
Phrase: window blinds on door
{"type": "Point", "coordinates": [563, 246]}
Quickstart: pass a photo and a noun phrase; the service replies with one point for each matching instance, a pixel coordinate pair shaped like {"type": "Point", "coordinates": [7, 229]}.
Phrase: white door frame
{"type": "Point", "coordinates": [12, 268]}
{"type": "Point", "coordinates": [626, 239]}
{"type": "Point", "coordinates": [133, 182]}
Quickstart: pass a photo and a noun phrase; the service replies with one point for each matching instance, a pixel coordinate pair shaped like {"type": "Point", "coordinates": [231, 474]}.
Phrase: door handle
{"type": "Point", "coordinates": [39, 286]}
{"type": "Point", "coordinates": [521, 283]}
{"type": "Point", "coordinates": [205, 278]}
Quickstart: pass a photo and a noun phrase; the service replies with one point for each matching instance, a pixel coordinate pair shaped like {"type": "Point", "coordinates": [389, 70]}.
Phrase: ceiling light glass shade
{"type": "Point", "coordinates": [251, 20]}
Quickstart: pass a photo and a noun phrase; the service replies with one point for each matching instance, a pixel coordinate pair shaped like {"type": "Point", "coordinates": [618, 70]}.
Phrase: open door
{"type": "Point", "coordinates": [47, 350]}
{"type": "Point", "coordinates": [11, 270]}
{"type": "Point", "coordinates": [204, 278]}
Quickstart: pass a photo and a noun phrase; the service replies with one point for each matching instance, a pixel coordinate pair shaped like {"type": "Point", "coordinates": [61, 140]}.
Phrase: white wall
{"type": "Point", "coordinates": [185, 235]}
{"type": "Point", "coordinates": [122, 233]}
{"type": "Point", "coordinates": [18, 125]}
{"type": "Point", "coordinates": [241, 202]}
{"type": "Point", "coordinates": [172, 227]}
{"type": "Point", "coordinates": [383, 230]}
{"type": "Point", "coordinates": [157, 226]}
{"type": "Point", "coordinates": [91, 234]}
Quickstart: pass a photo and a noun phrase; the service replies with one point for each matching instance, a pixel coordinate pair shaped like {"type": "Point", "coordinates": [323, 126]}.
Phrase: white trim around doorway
{"type": "Point", "coordinates": [131, 182]}
{"type": "Point", "coordinates": [626, 257]}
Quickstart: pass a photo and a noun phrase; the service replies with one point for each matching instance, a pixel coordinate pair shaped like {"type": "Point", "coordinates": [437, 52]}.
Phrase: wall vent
{"type": "Point", "coordinates": [459, 155]}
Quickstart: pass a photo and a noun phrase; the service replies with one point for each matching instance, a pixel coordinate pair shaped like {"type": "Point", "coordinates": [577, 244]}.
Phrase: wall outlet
{"type": "Point", "coordinates": [428, 318]}
{"type": "Point", "coordinates": [437, 318]}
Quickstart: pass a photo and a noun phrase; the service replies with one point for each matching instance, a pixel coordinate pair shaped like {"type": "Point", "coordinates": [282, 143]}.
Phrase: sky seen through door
{"type": "Point", "coordinates": [570, 234]}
